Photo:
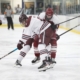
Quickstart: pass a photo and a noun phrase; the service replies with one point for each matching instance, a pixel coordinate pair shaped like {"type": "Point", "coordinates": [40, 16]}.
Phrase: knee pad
{"type": "Point", "coordinates": [41, 46]}
{"type": "Point", "coordinates": [26, 48]}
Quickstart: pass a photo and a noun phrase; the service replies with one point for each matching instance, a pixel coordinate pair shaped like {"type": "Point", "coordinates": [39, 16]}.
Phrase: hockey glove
{"type": "Point", "coordinates": [57, 37]}
{"type": "Point", "coordinates": [53, 26]}
{"type": "Point", "coordinates": [20, 45]}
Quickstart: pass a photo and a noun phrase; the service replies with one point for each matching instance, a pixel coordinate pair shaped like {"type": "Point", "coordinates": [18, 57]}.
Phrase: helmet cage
{"type": "Point", "coordinates": [49, 13]}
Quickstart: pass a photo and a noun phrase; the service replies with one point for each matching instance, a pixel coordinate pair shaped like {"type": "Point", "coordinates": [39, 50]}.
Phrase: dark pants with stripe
{"type": "Point", "coordinates": [10, 22]}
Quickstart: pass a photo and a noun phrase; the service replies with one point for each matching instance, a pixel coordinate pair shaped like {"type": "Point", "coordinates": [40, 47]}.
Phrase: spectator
{"type": "Point", "coordinates": [8, 14]}
{"type": "Point", "coordinates": [3, 8]}
{"type": "Point", "coordinates": [18, 9]}
{"type": "Point", "coordinates": [32, 9]}
{"type": "Point", "coordinates": [27, 11]}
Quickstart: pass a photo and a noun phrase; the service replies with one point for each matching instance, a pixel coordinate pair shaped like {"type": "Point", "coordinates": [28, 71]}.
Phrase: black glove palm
{"type": "Point", "coordinates": [53, 26]}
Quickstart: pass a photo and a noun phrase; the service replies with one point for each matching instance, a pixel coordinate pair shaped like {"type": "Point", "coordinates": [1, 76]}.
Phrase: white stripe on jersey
{"type": "Point", "coordinates": [26, 37]}
{"type": "Point", "coordinates": [43, 51]}
{"type": "Point", "coordinates": [44, 25]}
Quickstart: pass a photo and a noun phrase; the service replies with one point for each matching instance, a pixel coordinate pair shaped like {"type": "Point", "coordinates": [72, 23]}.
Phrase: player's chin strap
{"type": "Point", "coordinates": [70, 29]}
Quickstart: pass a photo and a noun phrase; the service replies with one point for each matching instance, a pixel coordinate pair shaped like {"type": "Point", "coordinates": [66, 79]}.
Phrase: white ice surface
{"type": "Point", "coordinates": [67, 58]}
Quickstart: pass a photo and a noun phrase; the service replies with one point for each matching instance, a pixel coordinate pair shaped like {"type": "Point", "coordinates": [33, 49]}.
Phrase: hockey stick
{"type": "Point", "coordinates": [69, 30]}
{"type": "Point", "coordinates": [68, 20]}
{"type": "Point", "coordinates": [9, 53]}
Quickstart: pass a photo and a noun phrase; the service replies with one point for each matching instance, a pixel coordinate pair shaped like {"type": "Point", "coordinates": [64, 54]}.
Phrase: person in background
{"type": "Point", "coordinates": [9, 14]}
{"type": "Point", "coordinates": [32, 9]}
{"type": "Point", "coordinates": [3, 8]}
{"type": "Point", "coordinates": [18, 9]}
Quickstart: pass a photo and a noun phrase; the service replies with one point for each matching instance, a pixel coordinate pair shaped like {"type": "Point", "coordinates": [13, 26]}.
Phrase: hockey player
{"type": "Point", "coordinates": [33, 27]}
{"type": "Point", "coordinates": [0, 22]}
{"type": "Point", "coordinates": [49, 38]}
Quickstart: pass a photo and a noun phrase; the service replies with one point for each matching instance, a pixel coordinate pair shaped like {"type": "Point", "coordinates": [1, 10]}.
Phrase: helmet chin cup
{"type": "Point", "coordinates": [48, 17]}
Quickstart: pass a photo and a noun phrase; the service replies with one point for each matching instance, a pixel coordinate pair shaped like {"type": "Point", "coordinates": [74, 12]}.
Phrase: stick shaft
{"type": "Point", "coordinates": [68, 20]}
{"type": "Point", "coordinates": [8, 53]}
{"type": "Point", "coordinates": [69, 30]}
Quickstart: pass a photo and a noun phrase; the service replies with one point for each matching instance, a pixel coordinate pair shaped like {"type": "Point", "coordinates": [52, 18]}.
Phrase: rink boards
{"type": "Point", "coordinates": [62, 18]}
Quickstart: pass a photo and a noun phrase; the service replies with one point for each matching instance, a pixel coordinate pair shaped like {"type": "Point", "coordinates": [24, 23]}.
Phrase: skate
{"type": "Point", "coordinates": [51, 61]}
{"type": "Point", "coordinates": [36, 60]}
{"type": "Point", "coordinates": [17, 63]}
{"type": "Point", "coordinates": [48, 63]}
{"type": "Point", "coordinates": [43, 65]}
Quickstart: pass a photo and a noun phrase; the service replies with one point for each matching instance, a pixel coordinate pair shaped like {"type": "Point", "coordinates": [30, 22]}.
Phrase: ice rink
{"type": "Point", "coordinates": [67, 58]}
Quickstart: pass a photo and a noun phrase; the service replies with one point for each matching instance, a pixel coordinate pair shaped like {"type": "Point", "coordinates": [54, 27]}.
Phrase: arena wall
{"type": "Point", "coordinates": [62, 18]}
